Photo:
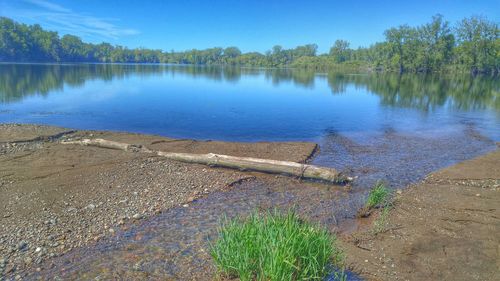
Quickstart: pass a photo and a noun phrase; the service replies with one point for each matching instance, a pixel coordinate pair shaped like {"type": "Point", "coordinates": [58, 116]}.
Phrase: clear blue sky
{"type": "Point", "coordinates": [251, 25]}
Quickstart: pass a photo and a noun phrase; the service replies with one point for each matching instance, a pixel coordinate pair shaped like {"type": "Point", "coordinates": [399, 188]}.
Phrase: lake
{"type": "Point", "coordinates": [243, 104]}
{"type": "Point", "coordinates": [376, 126]}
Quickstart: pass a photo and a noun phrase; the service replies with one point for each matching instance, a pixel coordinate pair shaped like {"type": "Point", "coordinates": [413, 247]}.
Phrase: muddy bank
{"type": "Point", "coordinates": [55, 198]}
{"type": "Point", "coordinates": [445, 228]}
{"type": "Point", "coordinates": [441, 229]}
{"type": "Point", "coordinates": [124, 215]}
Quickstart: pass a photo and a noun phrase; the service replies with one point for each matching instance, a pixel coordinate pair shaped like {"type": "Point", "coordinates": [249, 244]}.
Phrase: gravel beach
{"type": "Point", "coordinates": [57, 197]}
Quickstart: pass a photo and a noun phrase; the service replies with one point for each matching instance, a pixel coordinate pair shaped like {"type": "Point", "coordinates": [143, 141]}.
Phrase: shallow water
{"type": "Point", "coordinates": [400, 158]}
{"type": "Point", "coordinates": [174, 245]}
{"type": "Point", "coordinates": [376, 127]}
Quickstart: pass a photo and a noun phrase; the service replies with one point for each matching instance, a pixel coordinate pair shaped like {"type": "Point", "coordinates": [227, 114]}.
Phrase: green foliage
{"type": "Point", "coordinates": [473, 45]}
{"type": "Point", "coordinates": [274, 246]}
{"type": "Point", "coordinates": [340, 51]}
{"type": "Point", "coordinates": [380, 224]}
{"type": "Point", "coordinates": [479, 45]}
{"type": "Point", "coordinates": [378, 196]}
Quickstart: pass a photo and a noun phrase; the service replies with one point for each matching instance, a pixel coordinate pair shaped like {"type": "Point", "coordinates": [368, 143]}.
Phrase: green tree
{"type": "Point", "coordinates": [398, 40]}
{"type": "Point", "coordinates": [436, 44]}
{"type": "Point", "coordinates": [340, 51]}
{"type": "Point", "coordinates": [478, 47]}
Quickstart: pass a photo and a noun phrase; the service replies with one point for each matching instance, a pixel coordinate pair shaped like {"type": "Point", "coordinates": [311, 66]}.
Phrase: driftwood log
{"type": "Point", "coordinates": [289, 168]}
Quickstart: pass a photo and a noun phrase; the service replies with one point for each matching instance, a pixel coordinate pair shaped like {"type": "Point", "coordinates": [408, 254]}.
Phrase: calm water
{"type": "Point", "coordinates": [389, 127]}
{"type": "Point", "coordinates": [243, 104]}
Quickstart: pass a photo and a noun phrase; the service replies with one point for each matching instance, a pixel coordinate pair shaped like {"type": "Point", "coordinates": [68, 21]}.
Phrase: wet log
{"type": "Point", "coordinates": [289, 168]}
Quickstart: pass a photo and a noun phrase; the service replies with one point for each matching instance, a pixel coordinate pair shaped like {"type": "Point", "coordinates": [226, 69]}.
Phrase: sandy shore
{"type": "Point", "coordinates": [445, 228]}
{"type": "Point", "coordinates": [57, 197]}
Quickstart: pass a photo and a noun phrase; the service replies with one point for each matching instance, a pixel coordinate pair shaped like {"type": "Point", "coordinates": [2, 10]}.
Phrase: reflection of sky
{"type": "Point", "coordinates": [250, 108]}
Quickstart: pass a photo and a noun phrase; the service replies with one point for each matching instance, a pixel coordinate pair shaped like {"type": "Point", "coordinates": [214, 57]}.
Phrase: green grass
{"type": "Point", "coordinates": [274, 246]}
{"type": "Point", "coordinates": [378, 196]}
{"type": "Point", "coordinates": [380, 224]}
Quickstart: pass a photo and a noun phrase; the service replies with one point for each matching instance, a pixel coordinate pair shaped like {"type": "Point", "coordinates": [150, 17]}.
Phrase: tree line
{"type": "Point", "coordinates": [471, 45]}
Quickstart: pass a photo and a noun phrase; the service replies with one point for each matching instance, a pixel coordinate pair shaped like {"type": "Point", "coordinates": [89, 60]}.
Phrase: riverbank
{"type": "Point", "coordinates": [108, 207]}
{"type": "Point", "coordinates": [445, 228]}
{"type": "Point", "coordinates": [57, 197]}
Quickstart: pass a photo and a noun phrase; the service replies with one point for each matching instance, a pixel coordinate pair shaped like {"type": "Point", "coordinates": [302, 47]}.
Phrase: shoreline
{"type": "Point", "coordinates": [57, 198]}
{"type": "Point", "coordinates": [442, 228]}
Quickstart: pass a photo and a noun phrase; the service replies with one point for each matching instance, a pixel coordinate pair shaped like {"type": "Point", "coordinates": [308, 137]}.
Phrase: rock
{"type": "Point", "coordinates": [10, 268]}
{"type": "Point", "coordinates": [90, 207]}
{"type": "Point", "coordinates": [23, 245]}
{"type": "Point", "coordinates": [137, 266]}
{"type": "Point", "coordinates": [137, 216]}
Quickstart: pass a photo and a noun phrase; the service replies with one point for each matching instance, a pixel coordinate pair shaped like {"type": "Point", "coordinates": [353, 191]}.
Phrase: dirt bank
{"type": "Point", "coordinates": [446, 228]}
{"type": "Point", "coordinates": [57, 197]}
{"type": "Point", "coordinates": [54, 198]}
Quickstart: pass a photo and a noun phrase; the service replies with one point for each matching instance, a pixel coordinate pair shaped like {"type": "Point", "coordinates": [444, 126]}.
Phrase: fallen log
{"type": "Point", "coordinates": [289, 168]}
{"type": "Point", "coordinates": [109, 144]}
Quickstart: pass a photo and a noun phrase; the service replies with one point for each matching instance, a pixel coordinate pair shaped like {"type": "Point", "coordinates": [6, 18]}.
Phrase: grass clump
{"type": "Point", "coordinates": [274, 246]}
{"type": "Point", "coordinates": [378, 196]}
{"type": "Point", "coordinates": [380, 224]}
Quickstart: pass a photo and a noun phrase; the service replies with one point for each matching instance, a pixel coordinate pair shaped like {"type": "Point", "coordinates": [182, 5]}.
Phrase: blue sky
{"type": "Point", "coordinates": [251, 25]}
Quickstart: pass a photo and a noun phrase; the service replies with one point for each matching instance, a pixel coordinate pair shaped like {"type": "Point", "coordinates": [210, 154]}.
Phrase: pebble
{"type": "Point", "coordinates": [83, 215]}
{"type": "Point", "coordinates": [22, 246]}
{"type": "Point", "coordinates": [90, 206]}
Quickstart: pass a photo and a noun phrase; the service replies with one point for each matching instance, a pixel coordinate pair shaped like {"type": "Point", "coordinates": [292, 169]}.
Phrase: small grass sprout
{"type": "Point", "coordinates": [378, 196]}
{"type": "Point", "coordinates": [380, 224]}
